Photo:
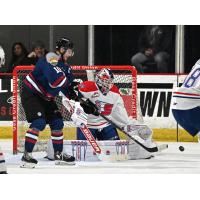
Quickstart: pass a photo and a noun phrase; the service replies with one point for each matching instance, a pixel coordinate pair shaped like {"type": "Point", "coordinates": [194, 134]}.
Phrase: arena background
{"type": "Point", "coordinates": [110, 45]}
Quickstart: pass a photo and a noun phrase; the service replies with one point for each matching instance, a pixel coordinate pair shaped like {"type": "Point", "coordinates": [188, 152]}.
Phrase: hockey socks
{"type": "Point", "coordinates": [31, 139]}
{"type": "Point", "coordinates": [57, 140]}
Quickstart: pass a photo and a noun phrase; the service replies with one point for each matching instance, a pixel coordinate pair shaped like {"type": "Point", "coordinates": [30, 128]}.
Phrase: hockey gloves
{"type": "Point", "coordinates": [89, 108]}
{"type": "Point", "coordinates": [73, 91]}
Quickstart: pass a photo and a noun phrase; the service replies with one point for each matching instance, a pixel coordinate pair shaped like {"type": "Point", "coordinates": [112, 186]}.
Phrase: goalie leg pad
{"type": "Point", "coordinates": [137, 152]}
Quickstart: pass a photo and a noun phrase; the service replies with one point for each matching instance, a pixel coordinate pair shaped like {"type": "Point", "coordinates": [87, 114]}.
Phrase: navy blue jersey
{"type": "Point", "coordinates": [48, 80]}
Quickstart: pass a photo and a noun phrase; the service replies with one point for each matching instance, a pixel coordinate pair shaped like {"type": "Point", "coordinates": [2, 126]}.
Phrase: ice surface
{"type": "Point", "coordinates": [168, 161]}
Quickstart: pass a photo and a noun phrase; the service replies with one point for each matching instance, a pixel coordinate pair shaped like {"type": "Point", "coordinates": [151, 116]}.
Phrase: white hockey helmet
{"type": "Point", "coordinates": [2, 57]}
{"type": "Point", "coordinates": [104, 80]}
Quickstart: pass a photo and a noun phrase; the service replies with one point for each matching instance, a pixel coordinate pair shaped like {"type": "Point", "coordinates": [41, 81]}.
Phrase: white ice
{"type": "Point", "coordinates": [168, 161]}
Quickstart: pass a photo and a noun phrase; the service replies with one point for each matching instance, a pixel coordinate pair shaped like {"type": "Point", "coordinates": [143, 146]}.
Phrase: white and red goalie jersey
{"type": "Point", "coordinates": [188, 95]}
{"type": "Point", "coordinates": [111, 105]}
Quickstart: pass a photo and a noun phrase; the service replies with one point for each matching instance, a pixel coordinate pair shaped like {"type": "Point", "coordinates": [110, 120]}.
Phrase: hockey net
{"type": "Point", "coordinates": [125, 77]}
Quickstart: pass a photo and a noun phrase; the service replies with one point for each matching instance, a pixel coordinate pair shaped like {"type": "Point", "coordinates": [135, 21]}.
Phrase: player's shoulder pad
{"type": "Point", "coordinates": [115, 89]}
{"type": "Point", "coordinates": [87, 86]}
{"type": "Point", "coordinates": [52, 58]}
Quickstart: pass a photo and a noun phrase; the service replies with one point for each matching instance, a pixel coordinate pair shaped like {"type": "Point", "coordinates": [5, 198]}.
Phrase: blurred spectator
{"type": "Point", "coordinates": [19, 56]}
{"type": "Point", "coordinates": [38, 51]}
{"type": "Point", "coordinates": [154, 43]}
{"type": "Point", "coordinates": [2, 57]}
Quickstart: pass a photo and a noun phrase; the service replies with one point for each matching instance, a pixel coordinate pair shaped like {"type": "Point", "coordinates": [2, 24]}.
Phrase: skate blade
{"type": "Point", "coordinates": [28, 165]}
{"type": "Point", "coordinates": [59, 162]}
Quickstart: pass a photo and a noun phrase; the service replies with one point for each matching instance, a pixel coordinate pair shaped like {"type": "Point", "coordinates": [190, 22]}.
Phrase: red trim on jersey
{"type": "Point", "coordinates": [115, 89]}
{"type": "Point", "coordinates": [28, 84]}
{"type": "Point", "coordinates": [58, 81]}
{"type": "Point", "coordinates": [189, 94]}
{"type": "Point", "coordinates": [87, 86]}
{"type": "Point", "coordinates": [44, 92]}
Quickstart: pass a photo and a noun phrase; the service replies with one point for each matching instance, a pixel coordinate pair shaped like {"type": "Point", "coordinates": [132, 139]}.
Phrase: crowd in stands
{"type": "Point", "coordinates": [153, 51]}
{"type": "Point", "coordinates": [21, 56]}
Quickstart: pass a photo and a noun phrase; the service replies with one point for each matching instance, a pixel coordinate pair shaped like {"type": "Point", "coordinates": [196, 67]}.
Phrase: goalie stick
{"type": "Point", "coordinates": [149, 149]}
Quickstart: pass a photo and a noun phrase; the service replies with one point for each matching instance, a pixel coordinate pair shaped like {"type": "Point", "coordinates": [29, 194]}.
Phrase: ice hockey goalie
{"type": "Point", "coordinates": [105, 95]}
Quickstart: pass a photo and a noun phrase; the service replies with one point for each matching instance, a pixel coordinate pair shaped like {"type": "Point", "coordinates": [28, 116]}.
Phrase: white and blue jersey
{"type": "Point", "coordinates": [186, 102]}
{"type": "Point", "coordinates": [188, 95]}
{"type": "Point", "coordinates": [48, 80]}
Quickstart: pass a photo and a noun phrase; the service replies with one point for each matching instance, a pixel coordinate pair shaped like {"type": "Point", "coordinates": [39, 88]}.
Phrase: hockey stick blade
{"type": "Point", "coordinates": [162, 147]}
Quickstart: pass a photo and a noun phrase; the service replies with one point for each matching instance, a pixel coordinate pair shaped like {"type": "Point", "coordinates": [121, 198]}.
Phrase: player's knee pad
{"type": "Point", "coordinates": [56, 124]}
{"type": "Point", "coordinates": [38, 124]}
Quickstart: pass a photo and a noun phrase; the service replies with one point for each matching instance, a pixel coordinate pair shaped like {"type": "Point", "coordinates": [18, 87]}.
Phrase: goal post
{"type": "Point", "coordinates": [125, 77]}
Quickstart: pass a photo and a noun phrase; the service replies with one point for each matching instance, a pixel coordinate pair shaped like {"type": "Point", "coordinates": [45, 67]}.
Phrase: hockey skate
{"type": "Point", "coordinates": [3, 172]}
{"type": "Point", "coordinates": [28, 161]}
{"type": "Point", "coordinates": [63, 159]}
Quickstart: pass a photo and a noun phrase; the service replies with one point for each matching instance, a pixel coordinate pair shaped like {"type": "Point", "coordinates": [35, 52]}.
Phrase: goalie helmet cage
{"type": "Point", "coordinates": [125, 77]}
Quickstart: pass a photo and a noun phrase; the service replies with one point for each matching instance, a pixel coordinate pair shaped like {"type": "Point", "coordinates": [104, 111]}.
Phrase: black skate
{"type": "Point", "coordinates": [3, 172]}
{"type": "Point", "coordinates": [28, 161]}
{"type": "Point", "coordinates": [64, 159]}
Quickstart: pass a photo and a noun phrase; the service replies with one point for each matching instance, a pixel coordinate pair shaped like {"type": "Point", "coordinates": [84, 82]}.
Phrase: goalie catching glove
{"type": "Point", "coordinates": [142, 130]}
{"type": "Point", "coordinates": [141, 133]}
{"type": "Point", "coordinates": [89, 107]}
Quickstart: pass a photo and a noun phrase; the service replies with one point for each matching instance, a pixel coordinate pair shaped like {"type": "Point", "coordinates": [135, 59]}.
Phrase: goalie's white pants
{"type": "Point", "coordinates": [82, 150]}
{"type": "Point", "coordinates": [2, 162]}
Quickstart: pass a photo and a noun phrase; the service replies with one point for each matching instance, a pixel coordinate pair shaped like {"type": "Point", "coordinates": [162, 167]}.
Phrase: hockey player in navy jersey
{"type": "Point", "coordinates": [40, 87]}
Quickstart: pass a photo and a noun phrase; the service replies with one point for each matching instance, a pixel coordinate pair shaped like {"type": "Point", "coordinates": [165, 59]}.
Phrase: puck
{"type": "Point", "coordinates": [181, 148]}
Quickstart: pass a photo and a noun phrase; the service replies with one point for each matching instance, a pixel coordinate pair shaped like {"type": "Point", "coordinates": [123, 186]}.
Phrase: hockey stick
{"type": "Point", "coordinates": [88, 135]}
{"type": "Point", "coordinates": [149, 149]}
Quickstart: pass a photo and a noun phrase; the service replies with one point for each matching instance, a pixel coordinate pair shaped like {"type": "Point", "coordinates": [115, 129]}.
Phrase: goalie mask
{"type": "Point", "coordinates": [104, 80]}
{"type": "Point", "coordinates": [2, 57]}
{"type": "Point", "coordinates": [63, 45]}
